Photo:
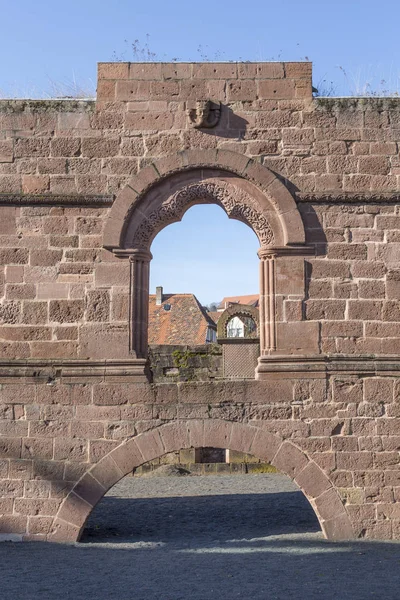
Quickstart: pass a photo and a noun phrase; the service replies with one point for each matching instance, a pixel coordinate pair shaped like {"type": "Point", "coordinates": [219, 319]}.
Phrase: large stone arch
{"type": "Point", "coordinates": [284, 455]}
{"type": "Point", "coordinates": [162, 192]}
{"type": "Point", "coordinates": [271, 192]}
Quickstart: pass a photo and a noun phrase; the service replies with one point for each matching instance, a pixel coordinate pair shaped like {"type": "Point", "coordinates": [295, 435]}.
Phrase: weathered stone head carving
{"type": "Point", "coordinates": [205, 113]}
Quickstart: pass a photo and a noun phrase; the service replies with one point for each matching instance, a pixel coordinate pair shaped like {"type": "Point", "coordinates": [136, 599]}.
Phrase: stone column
{"type": "Point", "coordinates": [139, 302]}
{"type": "Point", "coordinates": [267, 302]}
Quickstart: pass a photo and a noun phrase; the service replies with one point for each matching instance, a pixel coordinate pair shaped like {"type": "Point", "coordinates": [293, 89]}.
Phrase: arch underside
{"type": "Point", "coordinates": [284, 455]}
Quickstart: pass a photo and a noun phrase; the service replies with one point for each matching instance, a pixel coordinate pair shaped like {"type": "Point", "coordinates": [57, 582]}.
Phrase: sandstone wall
{"type": "Point", "coordinates": [328, 415]}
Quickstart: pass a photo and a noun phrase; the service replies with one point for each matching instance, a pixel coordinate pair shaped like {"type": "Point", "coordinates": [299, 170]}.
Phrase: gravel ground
{"type": "Point", "coordinates": [200, 538]}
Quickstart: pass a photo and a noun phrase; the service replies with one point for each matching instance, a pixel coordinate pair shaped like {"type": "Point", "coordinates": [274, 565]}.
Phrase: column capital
{"type": "Point", "coordinates": [276, 251]}
{"type": "Point", "coordinates": [134, 254]}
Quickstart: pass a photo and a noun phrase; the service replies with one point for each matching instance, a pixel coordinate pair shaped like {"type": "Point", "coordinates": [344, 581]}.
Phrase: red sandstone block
{"type": "Point", "coordinates": [215, 71]}
{"type": "Point", "coordinates": [242, 437]}
{"type": "Point", "coordinates": [289, 459]}
{"type": "Point", "coordinates": [62, 184]}
{"type": "Point", "coordinates": [36, 506]}
{"type": "Point", "coordinates": [196, 433]}
{"type": "Point", "coordinates": [276, 88]}
{"type": "Point", "coordinates": [20, 469]}
{"type": "Point", "coordinates": [11, 488]}
{"type": "Point", "coordinates": [37, 489]}
{"type": "Point", "coordinates": [329, 505]}
{"type": "Point", "coordinates": [176, 70]}
{"type": "Point", "coordinates": [60, 147]}
{"type": "Point", "coordinates": [32, 147]}
{"type": "Point", "coordinates": [374, 165]}
{"type": "Point", "coordinates": [298, 70]}
{"type": "Point", "coordinates": [74, 510]}
{"type": "Point", "coordinates": [6, 151]}
{"type": "Point", "coordinates": [354, 460]}
{"type": "Point", "coordinates": [378, 389]}
{"type": "Point", "coordinates": [175, 436]}
{"type": "Point", "coordinates": [63, 532]}
{"type": "Point", "coordinates": [366, 310]}
{"type": "Point", "coordinates": [39, 525]}
{"type": "Point", "coordinates": [6, 506]}
{"type": "Point", "coordinates": [144, 71]}
{"type": "Point", "coordinates": [241, 90]}
{"type": "Point", "coordinates": [312, 480]}
{"type": "Point", "coordinates": [265, 445]}
{"type": "Point", "coordinates": [73, 121]}
{"type": "Point", "coordinates": [127, 456]}
{"type": "Point", "coordinates": [106, 90]}
{"type": "Point", "coordinates": [195, 90]}
{"type": "Point", "coordinates": [149, 121]}
{"type": "Point", "coordinates": [70, 449]}
{"type": "Point", "coordinates": [100, 147]}
{"type": "Point", "coordinates": [299, 337]}
{"type": "Point", "coordinates": [132, 90]}
{"type": "Point", "coordinates": [100, 448]}
{"type": "Point", "coordinates": [164, 90]}
{"type": "Point", "coordinates": [13, 524]}
{"type": "Point", "coordinates": [217, 434]}
{"type": "Point", "coordinates": [10, 447]}
{"type": "Point", "coordinates": [339, 528]}
{"type": "Point", "coordinates": [150, 445]}
{"type": "Point", "coordinates": [37, 448]}
{"type": "Point", "coordinates": [115, 70]}
{"type": "Point", "coordinates": [89, 489]}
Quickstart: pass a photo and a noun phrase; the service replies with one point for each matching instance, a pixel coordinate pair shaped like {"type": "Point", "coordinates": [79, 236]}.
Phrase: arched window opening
{"type": "Point", "coordinates": [198, 268]}
{"type": "Point", "coordinates": [241, 327]}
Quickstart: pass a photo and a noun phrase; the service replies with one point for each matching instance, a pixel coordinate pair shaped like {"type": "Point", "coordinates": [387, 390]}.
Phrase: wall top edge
{"type": "Point", "coordinates": [12, 105]}
{"type": "Point", "coordinates": [211, 62]}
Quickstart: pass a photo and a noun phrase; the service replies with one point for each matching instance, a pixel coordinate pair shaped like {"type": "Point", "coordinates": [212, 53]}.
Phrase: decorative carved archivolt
{"type": "Point", "coordinates": [236, 203]}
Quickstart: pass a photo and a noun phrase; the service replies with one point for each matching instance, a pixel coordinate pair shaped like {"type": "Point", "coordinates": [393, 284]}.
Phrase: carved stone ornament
{"type": "Point", "coordinates": [236, 203]}
{"type": "Point", "coordinates": [205, 114]}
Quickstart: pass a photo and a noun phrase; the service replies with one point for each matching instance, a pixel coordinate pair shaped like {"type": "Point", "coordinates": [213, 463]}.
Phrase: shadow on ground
{"type": "Point", "coordinates": [249, 546]}
{"type": "Point", "coordinates": [189, 520]}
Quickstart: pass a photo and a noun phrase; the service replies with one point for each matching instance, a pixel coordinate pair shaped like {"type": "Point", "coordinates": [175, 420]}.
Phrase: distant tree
{"type": "Point", "coordinates": [212, 307]}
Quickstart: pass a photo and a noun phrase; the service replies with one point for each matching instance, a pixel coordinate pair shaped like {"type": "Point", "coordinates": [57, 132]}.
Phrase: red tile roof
{"type": "Point", "coordinates": [214, 315]}
{"type": "Point", "coordinates": [185, 322]}
{"type": "Point", "coordinates": [250, 300]}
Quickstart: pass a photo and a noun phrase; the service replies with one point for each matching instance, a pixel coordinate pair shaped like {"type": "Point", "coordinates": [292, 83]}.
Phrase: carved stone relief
{"type": "Point", "coordinates": [204, 114]}
{"type": "Point", "coordinates": [236, 203]}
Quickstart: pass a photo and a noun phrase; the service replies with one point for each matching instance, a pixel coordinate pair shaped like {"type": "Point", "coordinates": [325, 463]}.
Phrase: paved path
{"type": "Point", "coordinates": [201, 538]}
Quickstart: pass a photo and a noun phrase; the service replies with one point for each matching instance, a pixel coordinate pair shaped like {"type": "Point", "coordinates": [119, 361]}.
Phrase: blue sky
{"type": "Point", "coordinates": [44, 41]}
{"type": "Point", "coordinates": [206, 254]}
{"type": "Point", "coordinates": [46, 46]}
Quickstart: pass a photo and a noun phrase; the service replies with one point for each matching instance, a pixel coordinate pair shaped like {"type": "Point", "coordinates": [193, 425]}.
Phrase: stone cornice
{"type": "Point", "coordinates": [335, 364]}
{"type": "Point", "coordinates": [84, 200]}
{"type": "Point", "coordinates": [49, 371]}
{"type": "Point", "coordinates": [338, 196]}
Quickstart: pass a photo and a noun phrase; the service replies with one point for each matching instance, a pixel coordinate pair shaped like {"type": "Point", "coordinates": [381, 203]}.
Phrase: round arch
{"type": "Point", "coordinates": [284, 455]}
{"type": "Point", "coordinates": [162, 192]}
{"type": "Point", "coordinates": [269, 193]}
{"type": "Point", "coordinates": [237, 310]}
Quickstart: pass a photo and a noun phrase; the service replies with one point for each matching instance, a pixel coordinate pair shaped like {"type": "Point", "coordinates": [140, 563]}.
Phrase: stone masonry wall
{"type": "Point", "coordinates": [328, 415]}
{"type": "Point", "coordinates": [54, 271]}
